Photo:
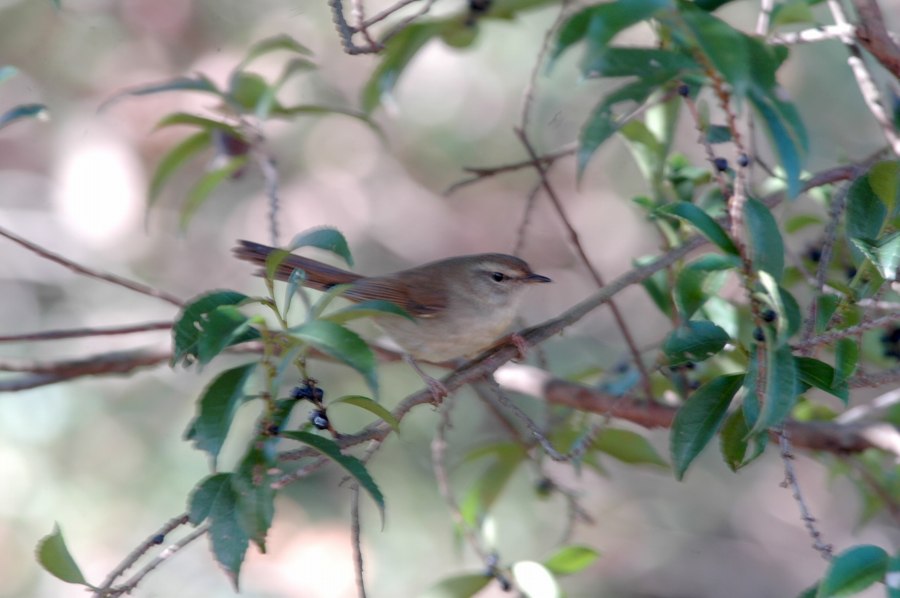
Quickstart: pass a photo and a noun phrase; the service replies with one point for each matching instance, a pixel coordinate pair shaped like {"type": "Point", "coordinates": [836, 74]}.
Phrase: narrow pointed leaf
{"type": "Point", "coordinates": [175, 158]}
{"type": "Point", "coordinates": [781, 389]}
{"type": "Point", "coordinates": [695, 340]}
{"type": "Point", "coordinates": [853, 570]}
{"type": "Point", "coordinates": [38, 111]}
{"type": "Point", "coordinates": [764, 239]}
{"type": "Point", "coordinates": [201, 191]}
{"type": "Point", "coordinates": [371, 406]}
{"type": "Point", "coordinates": [341, 343]}
{"type": "Point", "coordinates": [216, 409]}
{"type": "Point", "coordinates": [329, 239]}
{"type": "Point", "coordinates": [571, 559]}
{"type": "Point", "coordinates": [54, 556]}
{"type": "Point", "coordinates": [704, 223]}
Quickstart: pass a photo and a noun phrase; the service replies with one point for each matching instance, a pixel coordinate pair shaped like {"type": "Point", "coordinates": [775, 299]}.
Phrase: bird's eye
{"type": "Point", "coordinates": [498, 276]}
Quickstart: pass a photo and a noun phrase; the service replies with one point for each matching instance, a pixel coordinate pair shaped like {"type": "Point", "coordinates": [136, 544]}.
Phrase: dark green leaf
{"type": "Point", "coordinates": [636, 62]}
{"type": "Point", "coordinates": [176, 157]}
{"type": "Point", "coordinates": [853, 570]}
{"type": "Point", "coordinates": [252, 485]}
{"type": "Point", "coordinates": [703, 222]}
{"type": "Point", "coordinates": [781, 389]}
{"type": "Point", "coordinates": [697, 421]}
{"type": "Point", "coordinates": [866, 213]}
{"type": "Point", "coordinates": [329, 239]}
{"type": "Point", "coordinates": [371, 406]}
{"type": "Point", "coordinates": [783, 124]}
{"type": "Point", "coordinates": [399, 51]}
{"type": "Point", "coordinates": [656, 286]}
{"type": "Point", "coordinates": [628, 447]}
{"type": "Point", "coordinates": [246, 90]}
{"type": "Point", "coordinates": [38, 111]}
{"type": "Point", "coordinates": [787, 311]}
{"type": "Point", "coordinates": [718, 134]}
{"type": "Point", "coordinates": [884, 179]}
{"type": "Point", "coordinates": [341, 343]}
{"type": "Point", "coordinates": [367, 309]}
{"type": "Point", "coordinates": [55, 558]}
{"type": "Point", "coordinates": [206, 185]}
{"type": "Point", "coordinates": [694, 341]}
{"type": "Point", "coordinates": [216, 409]}
{"type": "Point", "coordinates": [809, 592]}
{"type": "Point", "coordinates": [826, 304]}
{"type": "Point", "coordinates": [599, 24]}
{"type": "Point", "coordinates": [883, 253]}
{"type": "Point", "coordinates": [215, 498]}
{"type": "Point", "coordinates": [197, 333]}
{"type": "Point", "coordinates": [459, 586]}
{"type": "Point", "coordinates": [700, 280]}
{"type": "Point", "coordinates": [764, 239]}
{"type": "Point", "coordinates": [351, 464]}
{"type": "Point", "coordinates": [819, 374]}
{"type": "Point", "coordinates": [726, 47]}
{"type": "Point", "coordinates": [734, 441]}
{"type": "Point", "coordinates": [571, 559]}
{"type": "Point", "coordinates": [846, 358]}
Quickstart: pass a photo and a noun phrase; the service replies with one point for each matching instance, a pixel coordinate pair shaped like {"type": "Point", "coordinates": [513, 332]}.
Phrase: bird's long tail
{"type": "Point", "coordinates": [319, 276]}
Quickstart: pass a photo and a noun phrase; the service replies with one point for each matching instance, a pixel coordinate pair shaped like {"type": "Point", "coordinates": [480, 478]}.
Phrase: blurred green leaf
{"type": "Point", "coordinates": [883, 253]}
{"type": "Point", "coordinates": [201, 191]}
{"type": "Point", "coordinates": [252, 485]}
{"type": "Point", "coordinates": [718, 134]}
{"type": "Point", "coordinates": [326, 238]}
{"type": "Point", "coordinates": [656, 286]}
{"type": "Point", "coordinates": [892, 577]}
{"type": "Point", "coordinates": [395, 57]}
{"type": "Point", "coordinates": [246, 91]}
{"type": "Point", "coordinates": [215, 498]}
{"type": "Point", "coordinates": [866, 212]}
{"type": "Point", "coordinates": [273, 44]}
{"type": "Point", "coordinates": [726, 47]}
{"type": "Point", "coordinates": [571, 559]}
{"type": "Point", "coordinates": [198, 334]}
{"type": "Point", "coordinates": [734, 440]}
{"type": "Point", "coordinates": [819, 374]}
{"type": "Point", "coordinates": [694, 340]}
{"type": "Point", "coordinates": [781, 389]}
{"type": "Point", "coordinates": [825, 307]}
{"type": "Point", "coordinates": [698, 419]}
{"type": "Point", "coordinates": [351, 464]}
{"type": "Point", "coordinates": [199, 83]}
{"type": "Point", "coordinates": [216, 409]}
{"type": "Point", "coordinates": [801, 221]}
{"type": "Point", "coordinates": [703, 222]}
{"type": "Point", "coordinates": [193, 120]}
{"type": "Point", "coordinates": [23, 111]}
{"type": "Point", "coordinates": [458, 586]}
{"type": "Point", "coordinates": [173, 159]}
{"type": "Point", "coordinates": [267, 102]}
{"type": "Point", "coordinates": [55, 558]}
{"type": "Point", "coordinates": [628, 447]}
{"type": "Point", "coordinates": [371, 406]}
{"type": "Point", "coordinates": [791, 12]}
{"type": "Point", "coordinates": [853, 570]}
{"type": "Point", "coordinates": [782, 123]}
{"type": "Point", "coordinates": [486, 489]}
{"type": "Point", "coordinates": [317, 110]}
{"type": "Point", "coordinates": [342, 344]}
{"type": "Point", "coordinates": [764, 239]}
{"type": "Point", "coordinates": [700, 280]}
{"type": "Point", "coordinates": [846, 358]}
{"type": "Point", "coordinates": [884, 179]}
{"type": "Point", "coordinates": [788, 318]}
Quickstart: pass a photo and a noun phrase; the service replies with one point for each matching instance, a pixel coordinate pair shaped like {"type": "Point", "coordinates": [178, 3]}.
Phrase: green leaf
{"type": "Point", "coordinates": [656, 286]}
{"type": "Point", "coordinates": [883, 253]}
{"type": "Point", "coordinates": [700, 280]}
{"type": "Point", "coordinates": [718, 134]}
{"type": "Point", "coordinates": [329, 239]}
{"type": "Point", "coordinates": [783, 124]}
{"type": "Point", "coordinates": [571, 559]}
{"type": "Point", "coordinates": [628, 447]}
{"type": "Point", "coordinates": [367, 309]}
{"type": "Point", "coordinates": [342, 344]}
{"type": "Point", "coordinates": [173, 159]}
{"type": "Point", "coordinates": [397, 54]}
{"type": "Point", "coordinates": [216, 499]}
{"type": "Point", "coordinates": [273, 44]}
{"type": "Point", "coordinates": [216, 409]}
{"type": "Point", "coordinates": [800, 222]}
{"type": "Point", "coordinates": [704, 223]}
{"type": "Point", "coordinates": [694, 341]}
{"type": "Point", "coordinates": [636, 62]}
{"type": "Point", "coordinates": [825, 307]}
{"type": "Point", "coordinates": [38, 111]}
{"type": "Point", "coordinates": [599, 24]}
{"type": "Point", "coordinates": [846, 358]}
{"type": "Point", "coordinates": [193, 120]}
{"type": "Point", "coordinates": [458, 586]}
{"type": "Point", "coordinates": [781, 389]}
{"type": "Point", "coordinates": [892, 577]}
{"type": "Point", "coordinates": [317, 110]}
{"type": "Point", "coordinates": [267, 102]}
{"type": "Point", "coordinates": [734, 441]}
{"type": "Point", "coordinates": [764, 239]}
{"type": "Point", "coordinates": [201, 330]}
{"type": "Point", "coordinates": [206, 185]}
{"type": "Point", "coordinates": [884, 179]}
{"type": "Point", "coordinates": [787, 311]}
{"type": "Point", "coordinates": [698, 419]}
{"type": "Point", "coordinates": [866, 212]}
{"type": "Point", "coordinates": [853, 570]}
{"type": "Point", "coordinates": [371, 406]}
{"type": "Point", "coordinates": [200, 83]}
{"type": "Point", "coordinates": [247, 90]}
{"type": "Point", "coordinates": [55, 558]}
{"type": "Point", "coordinates": [252, 485]}
{"type": "Point", "coordinates": [819, 374]}
{"type": "Point", "coordinates": [351, 464]}
{"type": "Point", "coordinates": [486, 489]}
{"type": "Point", "coordinates": [726, 47]}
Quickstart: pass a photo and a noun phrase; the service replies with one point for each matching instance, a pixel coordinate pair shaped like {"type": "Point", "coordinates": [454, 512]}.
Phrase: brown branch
{"type": "Point", "coordinates": [485, 172]}
{"type": "Point", "coordinates": [53, 335]}
{"type": "Point", "coordinates": [790, 481]}
{"type": "Point", "coordinates": [874, 37]}
{"type": "Point", "coordinates": [79, 269]}
{"type": "Point", "coordinates": [44, 373]}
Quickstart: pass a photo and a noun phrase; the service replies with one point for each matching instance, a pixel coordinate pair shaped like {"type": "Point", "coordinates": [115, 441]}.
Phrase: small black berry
{"type": "Point", "coordinates": [319, 419]}
{"type": "Point", "coordinates": [479, 6]}
{"type": "Point", "coordinates": [758, 334]}
{"type": "Point", "coordinates": [318, 394]}
{"type": "Point", "coordinates": [301, 392]}
{"type": "Point", "coordinates": [851, 273]}
{"type": "Point", "coordinates": [273, 429]}
{"type": "Point", "coordinates": [684, 90]}
{"type": "Point", "coordinates": [814, 254]}
{"type": "Point", "coordinates": [158, 539]}
{"type": "Point", "coordinates": [721, 164]}
{"type": "Point", "coordinates": [769, 315]}
{"type": "Point", "coordinates": [743, 160]}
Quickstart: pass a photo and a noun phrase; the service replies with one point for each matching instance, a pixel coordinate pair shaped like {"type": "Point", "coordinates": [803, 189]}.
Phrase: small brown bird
{"type": "Point", "coordinates": [460, 305]}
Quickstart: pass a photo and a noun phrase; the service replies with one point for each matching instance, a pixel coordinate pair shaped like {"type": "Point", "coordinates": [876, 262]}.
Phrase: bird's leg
{"type": "Point", "coordinates": [436, 387]}
{"type": "Point", "coordinates": [520, 344]}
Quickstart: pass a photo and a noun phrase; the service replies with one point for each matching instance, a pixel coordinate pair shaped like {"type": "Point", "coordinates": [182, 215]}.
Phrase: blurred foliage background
{"type": "Point", "coordinates": [105, 457]}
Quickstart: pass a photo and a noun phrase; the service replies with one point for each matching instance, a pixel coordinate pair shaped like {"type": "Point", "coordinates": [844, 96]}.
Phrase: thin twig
{"type": "Point", "coordinates": [528, 96]}
{"type": "Point", "coordinates": [269, 170]}
{"type": "Point", "coordinates": [582, 254]}
{"type": "Point", "coordinates": [829, 337]}
{"type": "Point", "coordinates": [53, 335]}
{"type": "Point", "coordinates": [79, 269]}
{"type": "Point", "coordinates": [790, 481]}
{"type": "Point", "coordinates": [356, 541]}
{"type": "Point", "coordinates": [485, 172]}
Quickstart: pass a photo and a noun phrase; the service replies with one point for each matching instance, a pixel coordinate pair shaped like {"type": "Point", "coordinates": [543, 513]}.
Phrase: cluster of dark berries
{"type": "Point", "coordinates": [314, 394]}
{"type": "Point", "coordinates": [890, 340]}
